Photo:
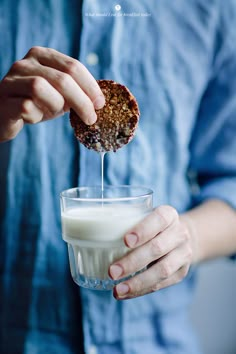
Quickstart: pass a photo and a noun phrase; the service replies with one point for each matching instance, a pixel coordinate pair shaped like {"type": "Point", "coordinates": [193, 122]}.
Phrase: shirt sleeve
{"type": "Point", "coordinates": [213, 144]}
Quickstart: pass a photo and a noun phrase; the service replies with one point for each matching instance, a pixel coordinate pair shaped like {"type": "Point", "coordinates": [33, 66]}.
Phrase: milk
{"type": "Point", "coordinates": [101, 223]}
{"type": "Point", "coordinates": [95, 235]}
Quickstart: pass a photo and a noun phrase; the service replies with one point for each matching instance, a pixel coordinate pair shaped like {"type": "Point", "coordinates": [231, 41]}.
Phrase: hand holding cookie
{"type": "Point", "coordinates": [116, 121]}
{"type": "Point", "coordinates": [43, 85]}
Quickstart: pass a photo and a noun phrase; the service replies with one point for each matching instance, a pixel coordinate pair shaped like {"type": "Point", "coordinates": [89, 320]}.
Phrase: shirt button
{"type": "Point", "coordinates": [92, 350]}
{"type": "Point", "coordinates": [92, 59]}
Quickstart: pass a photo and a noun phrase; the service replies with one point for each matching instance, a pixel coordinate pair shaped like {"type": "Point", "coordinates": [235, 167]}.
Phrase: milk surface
{"type": "Point", "coordinates": [100, 223]}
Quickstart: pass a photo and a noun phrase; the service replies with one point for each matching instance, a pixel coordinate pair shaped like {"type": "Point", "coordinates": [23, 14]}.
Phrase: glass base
{"type": "Point", "coordinates": [89, 265]}
{"type": "Point", "coordinates": [95, 284]}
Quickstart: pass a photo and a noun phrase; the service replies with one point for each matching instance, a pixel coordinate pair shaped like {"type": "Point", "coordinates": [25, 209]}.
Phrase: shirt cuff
{"type": "Point", "coordinates": [221, 188]}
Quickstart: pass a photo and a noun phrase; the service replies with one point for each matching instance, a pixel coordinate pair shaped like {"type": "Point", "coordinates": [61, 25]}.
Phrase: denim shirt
{"type": "Point", "coordinates": [179, 59]}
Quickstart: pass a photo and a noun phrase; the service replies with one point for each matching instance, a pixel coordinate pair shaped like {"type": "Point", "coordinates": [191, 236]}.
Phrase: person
{"type": "Point", "coordinates": [179, 60]}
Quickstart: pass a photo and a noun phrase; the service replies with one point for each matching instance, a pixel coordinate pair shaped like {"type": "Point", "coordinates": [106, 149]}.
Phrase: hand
{"type": "Point", "coordinates": [162, 243]}
{"type": "Point", "coordinates": [43, 85]}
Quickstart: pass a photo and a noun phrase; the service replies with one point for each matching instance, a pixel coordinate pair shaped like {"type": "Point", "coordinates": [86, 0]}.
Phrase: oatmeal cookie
{"type": "Point", "coordinates": [116, 121]}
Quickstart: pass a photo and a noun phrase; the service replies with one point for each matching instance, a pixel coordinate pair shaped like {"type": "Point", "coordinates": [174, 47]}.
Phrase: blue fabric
{"type": "Point", "coordinates": [179, 60]}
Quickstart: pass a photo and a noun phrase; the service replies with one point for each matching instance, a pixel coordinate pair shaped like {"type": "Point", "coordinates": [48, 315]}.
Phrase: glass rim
{"type": "Point", "coordinates": [146, 193]}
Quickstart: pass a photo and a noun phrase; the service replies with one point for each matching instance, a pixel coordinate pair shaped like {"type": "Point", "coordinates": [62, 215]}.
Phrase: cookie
{"type": "Point", "coordinates": [116, 121]}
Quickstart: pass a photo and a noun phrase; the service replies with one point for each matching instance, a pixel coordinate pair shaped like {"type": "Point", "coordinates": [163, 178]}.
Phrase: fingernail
{"type": "Point", "coordinates": [99, 102]}
{"type": "Point", "coordinates": [122, 289]}
{"type": "Point", "coordinates": [115, 271]}
{"type": "Point", "coordinates": [92, 119]}
{"type": "Point", "coordinates": [131, 240]}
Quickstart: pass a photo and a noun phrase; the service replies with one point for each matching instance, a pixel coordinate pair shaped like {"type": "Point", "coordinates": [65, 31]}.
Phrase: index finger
{"type": "Point", "coordinates": [54, 59]}
{"type": "Point", "coordinates": [159, 220]}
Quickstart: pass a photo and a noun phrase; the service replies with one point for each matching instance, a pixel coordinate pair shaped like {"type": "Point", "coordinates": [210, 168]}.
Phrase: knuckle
{"type": "Point", "coordinates": [183, 232]}
{"type": "Point", "coordinates": [157, 248]}
{"type": "Point", "coordinates": [37, 84]}
{"type": "Point", "coordinates": [159, 216]}
{"type": "Point", "coordinates": [35, 51]}
{"type": "Point", "coordinates": [136, 285]}
{"type": "Point", "coordinates": [18, 65]}
{"type": "Point", "coordinates": [72, 67]}
{"type": "Point", "coordinates": [26, 112]}
{"type": "Point", "coordinates": [168, 212]}
{"type": "Point", "coordinates": [165, 270]}
{"type": "Point", "coordinates": [63, 80]}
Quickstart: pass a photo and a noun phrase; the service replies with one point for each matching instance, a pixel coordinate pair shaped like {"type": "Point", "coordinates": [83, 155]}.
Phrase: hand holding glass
{"type": "Point", "coordinates": [94, 223]}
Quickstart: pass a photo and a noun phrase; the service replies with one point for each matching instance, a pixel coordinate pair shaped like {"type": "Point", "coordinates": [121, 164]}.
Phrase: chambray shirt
{"type": "Point", "coordinates": [179, 59]}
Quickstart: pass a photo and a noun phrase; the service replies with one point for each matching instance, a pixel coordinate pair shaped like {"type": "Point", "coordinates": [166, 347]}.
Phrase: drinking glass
{"type": "Point", "coordinates": [94, 222]}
